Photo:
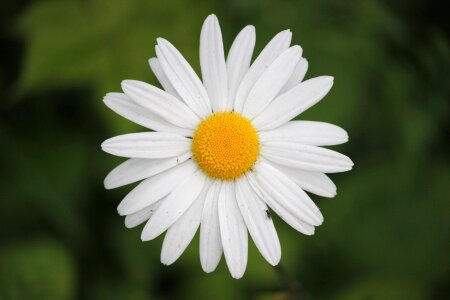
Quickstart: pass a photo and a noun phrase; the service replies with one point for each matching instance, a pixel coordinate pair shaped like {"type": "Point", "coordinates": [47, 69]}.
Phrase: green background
{"type": "Point", "coordinates": [386, 234]}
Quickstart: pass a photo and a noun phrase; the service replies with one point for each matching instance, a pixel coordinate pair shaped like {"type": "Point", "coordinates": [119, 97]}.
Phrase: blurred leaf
{"type": "Point", "coordinates": [40, 269]}
{"type": "Point", "coordinates": [382, 288]}
{"type": "Point", "coordinates": [51, 180]}
{"type": "Point", "coordinates": [100, 43]}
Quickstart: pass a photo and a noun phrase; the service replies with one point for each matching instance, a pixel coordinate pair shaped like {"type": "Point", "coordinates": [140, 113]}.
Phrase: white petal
{"type": "Point", "coordinates": [141, 216]}
{"type": "Point", "coordinates": [154, 188]}
{"type": "Point", "coordinates": [127, 108]}
{"type": "Point", "coordinates": [173, 207]}
{"type": "Point", "coordinates": [272, 50]}
{"type": "Point", "coordinates": [147, 145]}
{"type": "Point", "coordinates": [306, 157]}
{"type": "Point", "coordinates": [160, 103]}
{"type": "Point", "coordinates": [259, 223]}
{"type": "Point", "coordinates": [271, 81]}
{"type": "Point", "coordinates": [183, 78]}
{"type": "Point", "coordinates": [136, 169]}
{"type": "Point", "coordinates": [287, 193]}
{"type": "Point", "coordinates": [181, 233]}
{"type": "Point", "coordinates": [212, 63]}
{"type": "Point", "coordinates": [313, 182]}
{"type": "Point", "coordinates": [161, 76]}
{"type": "Point", "coordinates": [238, 61]}
{"type": "Point", "coordinates": [292, 103]}
{"type": "Point", "coordinates": [285, 212]}
{"type": "Point", "coordinates": [297, 76]}
{"type": "Point", "coordinates": [306, 132]}
{"type": "Point", "coordinates": [233, 231]}
{"type": "Point", "coordinates": [210, 241]}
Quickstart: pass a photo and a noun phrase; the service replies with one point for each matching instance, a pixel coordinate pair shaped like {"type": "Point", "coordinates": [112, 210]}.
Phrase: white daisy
{"type": "Point", "coordinates": [224, 152]}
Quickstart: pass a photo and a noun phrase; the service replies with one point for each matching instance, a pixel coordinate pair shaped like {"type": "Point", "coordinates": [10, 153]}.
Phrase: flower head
{"type": "Point", "coordinates": [223, 151]}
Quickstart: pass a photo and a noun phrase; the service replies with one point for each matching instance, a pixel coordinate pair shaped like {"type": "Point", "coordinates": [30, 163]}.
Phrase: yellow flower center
{"type": "Point", "coordinates": [225, 145]}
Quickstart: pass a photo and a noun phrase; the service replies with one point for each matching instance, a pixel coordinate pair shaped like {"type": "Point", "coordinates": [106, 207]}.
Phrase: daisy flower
{"type": "Point", "coordinates": [224, 152]}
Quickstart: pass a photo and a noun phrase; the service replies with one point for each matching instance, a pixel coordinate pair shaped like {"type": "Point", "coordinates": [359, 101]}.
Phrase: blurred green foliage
{"type": "Point", "coordinates": [40, 269]}
{"type": "Point", "coordinates": [385, 235]}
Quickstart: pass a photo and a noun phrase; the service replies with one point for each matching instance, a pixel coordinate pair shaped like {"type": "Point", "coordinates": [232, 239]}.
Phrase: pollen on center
{"type": "Point", "coordinates": [225, 145]}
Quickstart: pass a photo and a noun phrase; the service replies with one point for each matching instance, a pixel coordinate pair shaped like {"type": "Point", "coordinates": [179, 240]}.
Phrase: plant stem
{"type": "Point", "coordinates": [290, 283]}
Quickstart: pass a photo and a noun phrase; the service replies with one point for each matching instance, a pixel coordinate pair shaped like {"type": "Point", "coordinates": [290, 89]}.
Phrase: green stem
{"type": "Point", "coordinates": [290, 283]}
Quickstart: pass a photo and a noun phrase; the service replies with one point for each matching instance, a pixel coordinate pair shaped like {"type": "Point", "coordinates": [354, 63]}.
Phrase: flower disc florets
{"type": "Point", "coordinates": [225, 145]}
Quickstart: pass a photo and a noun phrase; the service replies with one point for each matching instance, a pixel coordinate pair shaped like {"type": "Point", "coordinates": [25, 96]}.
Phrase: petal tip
{"type": "Point", "coordinates": [207, 271]}
{"type": "Point", "coordinates": [167, 261]}
{"type": "Point", "coordinates": [208, 268]}
{"type": "Point", "coordinates": [211, 16]}
{"type": "Point", "coordinates": [250, 28]}
{"type": "Point", "coordinates": [274, 260]}
{"type": "Point", "coordinates": [297, 48]}
{"type": "Point", "coordinates": [161, 41]}
{"type": "Point", "coordinates": [104, 148]}
{"type": "Point", "coordinates": [107, 183]}
{"type": "Point", "coordinates": [108, 96]}
{"type": "Point", "coordinates": [128, 224]}
{"type": "Point", "coordinates": [144, 236]}
{"type": "Point", "coordinates": [106, 100]}
{"type": "Point", "coordinates": [122, 209]}
{"type": "Point", "coordinates": [284, 34]}
{"type": "Point", "coordinates": [125, 84]}
{"type": "Point", "coordinates": [237, 275]}
{"type": "Point", "coordinates": [350, 163]}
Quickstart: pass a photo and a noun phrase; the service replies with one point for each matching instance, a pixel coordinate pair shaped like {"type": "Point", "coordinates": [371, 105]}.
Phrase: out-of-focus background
{"type": "Point", "coordinates": [386, 234]}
